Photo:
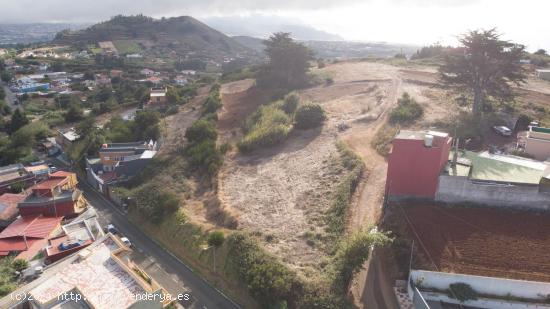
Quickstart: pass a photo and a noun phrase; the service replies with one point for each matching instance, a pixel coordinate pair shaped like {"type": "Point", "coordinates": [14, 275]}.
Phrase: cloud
{"type": "Point", "coordinates": [95, 10]}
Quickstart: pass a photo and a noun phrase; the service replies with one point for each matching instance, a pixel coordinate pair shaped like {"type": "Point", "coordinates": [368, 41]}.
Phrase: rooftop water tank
{"type": "Point", "coordinates": [428, 140]}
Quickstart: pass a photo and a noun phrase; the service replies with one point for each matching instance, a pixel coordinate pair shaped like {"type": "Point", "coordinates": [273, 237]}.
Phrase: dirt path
{"type": "Point", "coordinates": [371, 288]}
{"type": "Point", "coordinates": [367, 206]}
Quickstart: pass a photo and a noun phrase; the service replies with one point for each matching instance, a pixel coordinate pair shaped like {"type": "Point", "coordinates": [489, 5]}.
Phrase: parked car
{"type": "Point", "coordinates": [502, 130]}
{"type": "Point", "coordinates": [126, 241]}
{"type": "Point", "coordinates": [111, 229]}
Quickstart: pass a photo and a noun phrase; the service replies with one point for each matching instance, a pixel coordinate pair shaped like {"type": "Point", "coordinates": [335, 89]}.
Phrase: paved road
{"type": "Point", "coordinates": [170, 272]}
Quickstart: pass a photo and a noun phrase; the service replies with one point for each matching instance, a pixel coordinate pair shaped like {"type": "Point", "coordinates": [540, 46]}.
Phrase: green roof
{"type": "Point", "coordinates": [503, 168]}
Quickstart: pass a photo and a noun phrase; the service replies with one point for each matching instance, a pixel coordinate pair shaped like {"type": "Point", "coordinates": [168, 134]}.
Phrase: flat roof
{"type": "Point", "coordinates": [148, 154]}
{"type": "Point", "coordinates": [418, 135]}
{"type": "Point", "coordinates": [504, 168]}
{"type": "Point", "coordinates": [480, 241]}
{"type": "Point", "coordinates": [99, 278]}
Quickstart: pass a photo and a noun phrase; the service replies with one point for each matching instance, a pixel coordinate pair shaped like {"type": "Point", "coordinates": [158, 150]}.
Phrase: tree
{"type": "Point", "coordinates": [541, 52]}
{"type": "Point", "coordinates": [18, 120]}
{"type": "Point", "coordinates": [288, 63]}
{"type": "Point", "coordinates": [74, 113]}
{"type": "Point", "coordinates": [216, 239]}
{"type": "Point", "coordinates": [485, 66]}
{"type": "Point", "coordinates": [172, 96]}
{"type": "Point", "coordinates": [5, 76]}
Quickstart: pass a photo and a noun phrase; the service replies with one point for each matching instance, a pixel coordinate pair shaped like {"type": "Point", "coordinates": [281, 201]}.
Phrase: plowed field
{"type": "Point", "coordinates": [484, 242]}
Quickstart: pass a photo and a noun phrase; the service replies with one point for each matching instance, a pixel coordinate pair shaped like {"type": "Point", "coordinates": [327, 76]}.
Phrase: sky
{"type": "Point", "coordinates": [399, 21]}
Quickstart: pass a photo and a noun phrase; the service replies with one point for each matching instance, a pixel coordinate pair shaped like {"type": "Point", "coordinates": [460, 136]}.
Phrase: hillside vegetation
{"type": "Point", "coordinates": [131, 33]}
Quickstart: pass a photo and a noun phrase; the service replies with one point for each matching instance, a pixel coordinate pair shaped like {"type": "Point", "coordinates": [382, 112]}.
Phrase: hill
{"type": "Point", "coordinates": [183, 35]}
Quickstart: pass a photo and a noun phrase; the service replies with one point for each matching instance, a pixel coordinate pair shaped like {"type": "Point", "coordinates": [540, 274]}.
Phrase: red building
{"type": "Point", "coordinates": [415, 163]}
{"type": "Point", "coordinates": [57, 196]}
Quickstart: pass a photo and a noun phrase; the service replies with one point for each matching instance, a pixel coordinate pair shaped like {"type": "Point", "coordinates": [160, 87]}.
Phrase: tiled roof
{"type": "Point", "coordinates": [49, 184]}
{"type": "Point", "coordinates": [8, 205]}
{"type": "Point", "coordinates": [61, 174]}
{"type": "Point", "coordinates": [31, 227]}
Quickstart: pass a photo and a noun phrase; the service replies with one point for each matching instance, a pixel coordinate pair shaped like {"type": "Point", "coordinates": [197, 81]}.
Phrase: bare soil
{"type": "Point", "coordinates": [485, 242]}
{"type": "Point", "coordinates": [280, 194]}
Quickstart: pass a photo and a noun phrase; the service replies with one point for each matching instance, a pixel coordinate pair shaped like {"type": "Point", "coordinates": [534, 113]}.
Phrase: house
{"type": "Point", "coordinates": [118, 161]}
{"type": "Point", "coordinates": [537, 143]}
{"type": "Point", "coordinates": [421, 166]}
{"type": "Point", "coordinates": [27, 235]}
{"type": "Point", "coordinates": [40, 171]}
{"type": "Point", "coordinates": [49, 146]}
{"type": "Point", "coordinates": [102, 80]}
{"type": "Point", "coordinates": [180, 80]}
{"type": "Point", "coordinates": [415, 163]}
{"type": "Point", "coordinates": [134, 56]}
{"type": "Point", "coordinates": [157, 97]}
{"type": "Point", "coordinates": [189, 72]}
{"type": "Point", "coordinates": [56, 196]}
{"type": "Point", "coordinates": [156, 80]}
{"type": "Point", "coordinates": [75, 236]}
{"type": "Point", "coordinates": [15, 176]}
{"type": "Point", "coordinates": [147, 72]}
{"type": "Point", "coordinates": [116, 73]}
{"type": "Point", "coordinates": [543, 74]}
{"type": "Point", "coordinates": [82, 281]}
{"type": "Point", "coordinates": [66, 138]}
{"type": "Point", "coordinates": [8, 207]}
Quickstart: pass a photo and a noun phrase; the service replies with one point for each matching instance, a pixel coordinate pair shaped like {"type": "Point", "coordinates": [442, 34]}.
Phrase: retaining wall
{"type": "Point", "coordinates": [482, 285]}
{"type": "Point", "coordinates": [456, 189]}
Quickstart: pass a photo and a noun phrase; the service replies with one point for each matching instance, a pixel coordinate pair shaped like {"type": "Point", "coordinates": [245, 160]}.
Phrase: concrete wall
{"type": "Point", "coordinates": [413, 168]}
{"type": "Point", "coordinates": [455, 189]}
{"type": "Point", "coordinates": [537, 147]}
{"type": "Point", "coordinates": [482, 285]}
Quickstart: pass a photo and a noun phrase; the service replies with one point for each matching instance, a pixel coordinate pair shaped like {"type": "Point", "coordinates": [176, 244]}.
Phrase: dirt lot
{"type": "Point", "coordinates": [484, 242]}
{"type": "Point", "coordinates": [280, 194]}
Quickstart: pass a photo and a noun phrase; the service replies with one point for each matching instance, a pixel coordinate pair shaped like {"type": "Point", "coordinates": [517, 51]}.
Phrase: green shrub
{"type": "Point", "coordinates": [407, 110]}
{"type": "Point", "coordinates": [337, 213]}
{"type": "Point", "coordinates": [267, 279]}
{"type": "Point", "coordinates": [20, 264]}
{"type": "Point", "coordinates": [216, 238]}
{"type": "Point", "coordinates": [462, 292]}
{"type": "Point", "coordinates": [309, 116]}
{"type": "Point", "coordinates": [352, 255]}
{"type": "Point", "coordinates": [383, 138]}
{"type": "Point", "coordinates": [201, 130]}
{"type": "Point", "coordinates": [266, 127]}
{"type": "Point", "coordinates": [290, 103]}
{"type": "Point", "coordinates": [155, 202]}
{"type": "Point", "coordinates": [263, 137]}
{"type": "Point", "coordinates": [204, 156]}
{"type": "Point", "coordinates": [212, 103]}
